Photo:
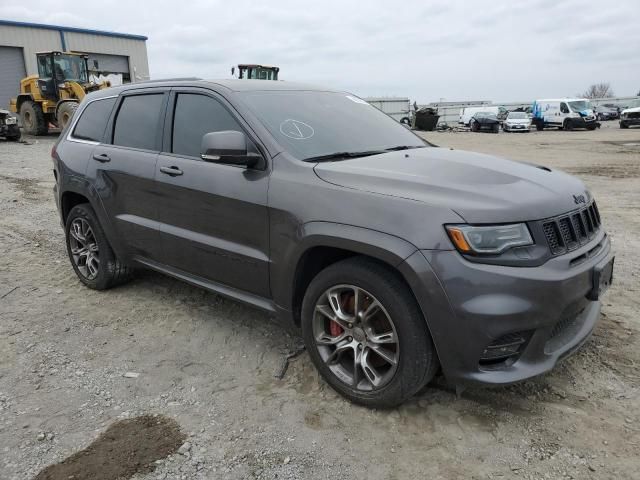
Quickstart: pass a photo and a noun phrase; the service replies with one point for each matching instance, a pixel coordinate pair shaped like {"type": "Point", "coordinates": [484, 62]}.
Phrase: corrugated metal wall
{"type": "Point", "coordinates": [34, 40]}
{"type": "Point", "coordinates": [136, 50]}
{"type": "Point", "coordinates": [31, 40]}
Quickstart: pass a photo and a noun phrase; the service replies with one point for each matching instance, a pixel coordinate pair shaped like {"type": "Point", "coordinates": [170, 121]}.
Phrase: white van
{"type": "Point", "coordinates": [467, 112]}
{"type": "Point", "coordinates": [564, 113]}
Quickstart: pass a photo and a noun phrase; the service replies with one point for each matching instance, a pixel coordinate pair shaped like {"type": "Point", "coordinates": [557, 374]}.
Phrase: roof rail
{"type": "Point", "coordinates": [176, 79]}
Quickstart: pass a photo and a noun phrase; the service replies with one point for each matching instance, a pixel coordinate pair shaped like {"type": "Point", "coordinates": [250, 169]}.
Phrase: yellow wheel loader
{"type": "Point", "coordinates": [256, 72]}
{"type": "Point", "coordinates": [52, 96]}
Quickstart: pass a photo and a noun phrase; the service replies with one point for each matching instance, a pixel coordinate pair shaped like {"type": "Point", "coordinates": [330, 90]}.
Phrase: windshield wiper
{"type": "Point", "coordinates": [403, 147]}
{"type": "Point", "coordinates": [343, 155]}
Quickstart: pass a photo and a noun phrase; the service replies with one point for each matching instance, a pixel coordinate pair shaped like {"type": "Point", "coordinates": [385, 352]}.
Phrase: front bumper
{"type": "Point", "coordinates": [583, 122]}
{"type": "Point", "coordinates": [516, 128]}
{"type": "Point", "coordinates": [630, 121]}
{"type": "Point", "coordinates": [468, 306]}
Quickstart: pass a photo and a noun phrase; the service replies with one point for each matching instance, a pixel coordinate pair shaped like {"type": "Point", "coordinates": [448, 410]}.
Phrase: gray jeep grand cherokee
{"type": "Point", "coordinates": [394, 257]}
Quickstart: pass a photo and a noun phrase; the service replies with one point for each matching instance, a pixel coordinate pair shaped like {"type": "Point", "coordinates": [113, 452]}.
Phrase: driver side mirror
{"type": "Point", "coordinates": [228, 147]}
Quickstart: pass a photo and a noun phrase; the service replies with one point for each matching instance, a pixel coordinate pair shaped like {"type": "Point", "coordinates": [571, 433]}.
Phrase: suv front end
{"type": "Point", "coordinates": [515, 314]}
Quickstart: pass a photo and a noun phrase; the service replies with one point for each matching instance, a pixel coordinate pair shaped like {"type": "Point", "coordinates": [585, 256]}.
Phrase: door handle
{"type": "Point", "coordinates": [173, 171]}
{"type": "Point", "coordinates": [103, 157]}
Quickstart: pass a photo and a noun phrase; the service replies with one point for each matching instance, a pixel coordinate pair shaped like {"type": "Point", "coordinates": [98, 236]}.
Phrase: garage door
{"type": "Point", "coordinates": [11, 72]}
{"type": "Point", "coordinates": [109, 64]}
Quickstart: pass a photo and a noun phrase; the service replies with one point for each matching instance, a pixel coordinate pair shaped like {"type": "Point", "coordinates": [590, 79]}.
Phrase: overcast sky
{"type": "Point", "coordinates": [426, 50]}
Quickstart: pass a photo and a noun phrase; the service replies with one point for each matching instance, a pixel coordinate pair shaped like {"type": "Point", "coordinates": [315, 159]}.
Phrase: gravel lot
{"type": "Point", "coordinates": [69, 357]}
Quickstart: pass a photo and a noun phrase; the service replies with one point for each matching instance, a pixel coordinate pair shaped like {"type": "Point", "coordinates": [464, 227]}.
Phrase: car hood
{"type": "Point", "coordinates": [480, 188]}
{"type": "Point", "coordinates": [632, 110]}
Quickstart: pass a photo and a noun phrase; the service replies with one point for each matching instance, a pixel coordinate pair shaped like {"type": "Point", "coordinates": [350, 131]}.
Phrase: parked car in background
{"type": "Point", "coordinates": [484, 122]}
{"type": "Point", "coordinates": [564, 113]}
{"type": "Point", "coordinates": [631, 115]}
{"type": "Point", "coordinates": [517, 122]}
{"type": "Point", "coordinates": [9, 128]}
{"type": "Point", "coordinates": [467, 112]}
{"type": "Point", "coordinates": [604, 113]}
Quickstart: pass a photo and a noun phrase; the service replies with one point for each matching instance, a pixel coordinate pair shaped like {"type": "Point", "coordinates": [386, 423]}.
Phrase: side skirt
{"type": "Point", "coordinates": [215, 287]}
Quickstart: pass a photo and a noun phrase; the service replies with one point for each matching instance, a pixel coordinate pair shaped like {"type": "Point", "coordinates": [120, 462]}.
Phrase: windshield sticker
{"type": "Point", "coordinates": [296, 129]}
{"type": "Point", "coordinates": [356, 99]}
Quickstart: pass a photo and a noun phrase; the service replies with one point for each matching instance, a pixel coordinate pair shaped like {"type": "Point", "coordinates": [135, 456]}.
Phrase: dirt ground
{"type": "Point", "coordinates": [74, 361]}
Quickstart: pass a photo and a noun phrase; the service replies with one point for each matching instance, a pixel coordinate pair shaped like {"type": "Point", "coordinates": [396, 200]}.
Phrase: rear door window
{"type": "Point", "coordinates": [138, 121]}
{"type": "Point", "coordinates": [93, 120]}
{"type": "Point", "coordinates": [194, 115]}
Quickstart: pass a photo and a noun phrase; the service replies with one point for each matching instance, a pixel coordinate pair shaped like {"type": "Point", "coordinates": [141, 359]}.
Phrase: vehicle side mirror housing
{"type": "Point", "coordinates": [228, 147]}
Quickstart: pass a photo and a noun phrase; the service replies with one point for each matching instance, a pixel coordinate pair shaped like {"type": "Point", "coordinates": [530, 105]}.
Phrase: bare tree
{"type": "Point", "coordinates": [599, 90]}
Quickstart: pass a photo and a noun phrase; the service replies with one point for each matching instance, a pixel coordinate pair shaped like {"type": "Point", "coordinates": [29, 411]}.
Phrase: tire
{"type": "Point", "coordinates": [472, 126]}
{"type": "Point", "coordinates": [109, 271]}
{"type": "Point", "coordinates": [591, 127]}
{"type": "Point", "coordinates": [405, 121]}
{"type": "Point", "coordinates": [65, 113]}
{"type": "Point", "coordinates": [623, 125]}
{"type": "Point", "coordinates": [567, 126]}
{"type": "Point", "coordinates": [496, 128]}
{"type": "Point", "coordinates": [32, 118]}
{"type": "Point", "coordinates": [415, 357]}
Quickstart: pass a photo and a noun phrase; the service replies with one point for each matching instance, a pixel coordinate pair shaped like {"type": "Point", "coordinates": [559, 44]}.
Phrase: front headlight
{"type": "Point", "coordinates": [10, 120]}
{"type": "Point", "coordinates": [489, 239]}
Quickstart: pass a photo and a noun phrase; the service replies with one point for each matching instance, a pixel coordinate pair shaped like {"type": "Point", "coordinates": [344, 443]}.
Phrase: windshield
{"type": "Point", "coordinates": [70, 67]}
{"type": "Point", "coordinates": [517, 115]}
{"type": "Point", "coordinates": [312, 124]}
{"type": "Point", "coordinates": [634, 104]}
{"type": "Point", "coordinates": [579, 105]}
{"type": "Point", "coordinates": [485, 114]}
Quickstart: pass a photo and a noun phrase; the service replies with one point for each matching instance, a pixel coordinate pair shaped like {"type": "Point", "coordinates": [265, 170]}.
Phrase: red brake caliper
{"type": "Point", "coordinates": [335, 329]}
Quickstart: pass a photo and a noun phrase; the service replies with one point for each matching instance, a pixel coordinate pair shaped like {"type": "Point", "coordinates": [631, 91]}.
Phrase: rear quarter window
{"type": "Point", "coordinates": [93, 120]}
{"type": "Point", "coordinates": [138, 121]}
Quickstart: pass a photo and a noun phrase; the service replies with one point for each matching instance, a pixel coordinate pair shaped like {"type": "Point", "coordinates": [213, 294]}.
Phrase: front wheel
{"type": "Point", "coordinates": [65, 113]}
{"type": "Point", "coordinates": [91, 256]}
{"type": "Point", "coordinates": [366, 334]}
{"type": "Point", "coordinates": [623, 125]}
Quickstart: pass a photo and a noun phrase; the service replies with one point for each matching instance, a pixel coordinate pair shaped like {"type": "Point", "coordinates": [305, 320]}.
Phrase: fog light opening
{"type": "Point", "coordinates": [505, 350]}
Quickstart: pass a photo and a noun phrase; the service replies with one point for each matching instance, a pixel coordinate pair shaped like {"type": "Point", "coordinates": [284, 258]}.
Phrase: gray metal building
{"type": "Point", "coordinates": [120, 54]}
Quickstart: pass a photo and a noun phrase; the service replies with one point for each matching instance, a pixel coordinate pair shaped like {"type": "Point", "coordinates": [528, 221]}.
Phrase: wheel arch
{"type": "Point", "coordinates": [21, 98]}
{"type": "Point", "coordinates": [76, 190]}
{"type": "Point", "coordinates": [327, 243]}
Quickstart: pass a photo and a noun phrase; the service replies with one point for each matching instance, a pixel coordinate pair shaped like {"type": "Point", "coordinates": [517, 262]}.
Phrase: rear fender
{"type": "Point", "coordinates": [75, 184]}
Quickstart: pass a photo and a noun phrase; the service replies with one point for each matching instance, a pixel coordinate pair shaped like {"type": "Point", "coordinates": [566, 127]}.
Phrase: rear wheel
{"type": "Point", "coordinates": [33, 119]}
{"type": "Point", "coordinates": [472, 126]}
{"type": "Point", "coordinates": [65, 113]}
{"type": "Point", "coordinates": [366, 335]}
{"type": "Point", "coordinates": [91, 256]}
{"type": "Point", "coordinates": [496, 128]}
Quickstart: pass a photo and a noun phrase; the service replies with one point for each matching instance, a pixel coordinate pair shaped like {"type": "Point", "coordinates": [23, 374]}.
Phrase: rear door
{"type": "Point", "coordinates": [123, 169]}
{"type": "Point", "coordinates": [213, 218]}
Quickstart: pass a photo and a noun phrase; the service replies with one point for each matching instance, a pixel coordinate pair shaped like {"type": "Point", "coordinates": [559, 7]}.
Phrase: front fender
{"type": "Point", "coordinates": [387, 248]}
